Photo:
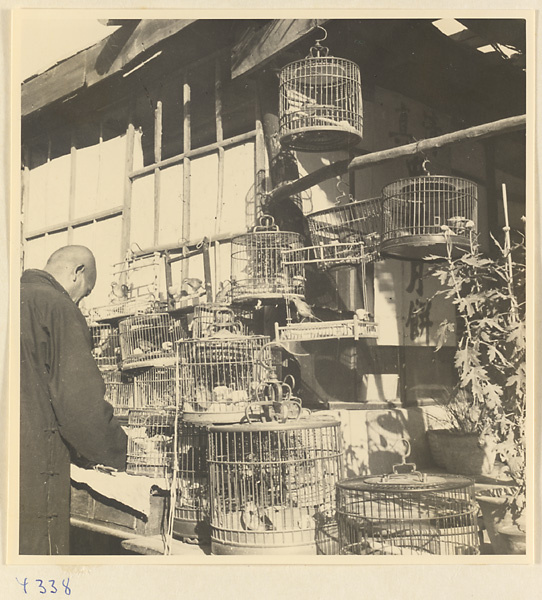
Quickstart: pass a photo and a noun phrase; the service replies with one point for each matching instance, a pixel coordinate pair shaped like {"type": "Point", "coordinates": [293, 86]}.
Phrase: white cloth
{"type": "Point", "coordinates": [133, 491]}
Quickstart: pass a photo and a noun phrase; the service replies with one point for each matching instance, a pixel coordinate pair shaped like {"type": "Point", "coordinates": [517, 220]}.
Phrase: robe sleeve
{"type": "Point", "coordinates": [77, 391]}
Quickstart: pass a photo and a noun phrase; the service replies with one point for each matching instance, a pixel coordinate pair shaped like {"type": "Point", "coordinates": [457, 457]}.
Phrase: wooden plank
{"type": "Point", "coordinates": [88, 67]}
{"type": "Point", "coordinates": [259, 45]}
{"type": "Point", "coordinates": [127, 199]}
{"type": "Point", "coordinates": [157, 159]}
{"type": "Point", "coordinates": [187, 144]}
{"type": "Point", "coordinates": [154, 545]}
{"type": "Point", "coordinates": [179, 158]}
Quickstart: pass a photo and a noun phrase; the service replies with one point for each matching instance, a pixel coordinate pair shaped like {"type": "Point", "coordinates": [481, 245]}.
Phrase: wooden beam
{"type": "Point", "coordinates": [157, 159]}
{"type": "Point", "coordinates": [64, 226]}
{"type": "Point", "coordinates": [374, 158]}
{"type": "Point", "coordinates": [260, 44]}
{"type": "Point", "coordinates": [88, 67]}
{"type": "Point", "coordinates": [127, 197]}
{"type": "Point", "coordinates": [472, 133]}
{"type": "Point", "coordinates": [73, 178]}
{"type": "Point", "coordinates": [179, 158]}
{"type": "Point", "coordinates": [187, 144]}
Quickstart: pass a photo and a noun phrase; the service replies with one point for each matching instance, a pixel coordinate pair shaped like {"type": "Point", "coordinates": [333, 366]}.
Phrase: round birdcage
{"type": "Point", "coordinates": [210, 318]}
{"type": "Point", "coordinates": [257, 269]}
{"type": "Point", "coordinates": [191, 518]}
{"type": "Point", "coordinates": [320, 105]}
{"type": "Point", "coordinates": [407, 514]}
{"type": "Point", "coordinates": [421, 215]}
{"type": "Point", "coordinates": [272, 486]}
{"type": "Point", "coordinates": [119, 392]}
{"type": "Point", "coordinates": [149, 340]}
{"type": "Point", "coordinates": [105, 345]}
{"type": "Point", "coordinates": [150, 442]}
{"type": "Point", "coordinates": [155, 387]}
{"type": "Point", "coordinates": [218, 376]}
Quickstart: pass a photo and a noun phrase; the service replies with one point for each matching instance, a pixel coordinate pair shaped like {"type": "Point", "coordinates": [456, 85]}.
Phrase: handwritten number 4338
{"type": "Point", "coordinates": [46, 586]}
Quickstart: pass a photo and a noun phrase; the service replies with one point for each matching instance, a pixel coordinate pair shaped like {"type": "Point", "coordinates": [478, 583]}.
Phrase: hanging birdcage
{"type": "Point", "coordinates": [138, 287]}
{"type": "Point", "coordinates": [119, 392]}
{"type": "Point", "coordinates": [349, 232]}
{"type": "Point", "coordinates": [105, 345]}
{"type": "Point", "coordinates": [422, 214]}
{"type": "Point", "coordinates": [211, 318]}
{"type": "Point", "coordinates": [155, 387]}
{"type": "Point", "coordinates": [407, 513]}
{"type": "Point", "coordinates": [218, 376]}
{"type": "Point", "coordinates": [320, 103]}
{"type": "Point", "coordinates": [272, 485]}
{"type": "Point", "coordinates": [150, 442]}
{"type": "Point", "coordinates": [191, 520]}
{"type": "Point", "coordinates": [257, 270]}
{"type": "Point", "coordinates": [149, 340]}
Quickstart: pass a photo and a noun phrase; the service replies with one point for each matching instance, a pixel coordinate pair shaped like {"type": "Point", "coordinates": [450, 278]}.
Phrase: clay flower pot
{"type": "Point", "coordinates": [506, 535]}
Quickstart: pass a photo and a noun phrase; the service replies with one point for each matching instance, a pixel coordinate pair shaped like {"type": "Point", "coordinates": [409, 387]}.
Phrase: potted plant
{"type": "Point", "coordinates": [488, 295]}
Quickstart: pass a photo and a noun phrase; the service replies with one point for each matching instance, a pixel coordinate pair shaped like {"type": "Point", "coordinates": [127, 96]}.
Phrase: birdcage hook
{"type": "Point", "coordinates": [318, 49]}
{"type": "Point", "coordinates": [342, 193]}
{"type": "Point", "coordinates": [425, 168]}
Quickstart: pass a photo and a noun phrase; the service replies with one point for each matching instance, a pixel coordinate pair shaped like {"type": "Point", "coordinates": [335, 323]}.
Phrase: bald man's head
{"type": "Point", "coordinates": [74, 267]}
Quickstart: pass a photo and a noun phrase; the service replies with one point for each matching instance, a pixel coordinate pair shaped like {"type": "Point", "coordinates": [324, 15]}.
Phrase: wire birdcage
{"type": "Point", "coordinates": [350, 230]}
{"type": "Point", "coordinates": [138, 287]}
{"type": "Point", "coordinates": [155, 387]}
{"type": "Point", "coordinates": [105, 345]}
{"type": "Point", "coordinates": [191, 518]}
{"type": "Point", "coordinates": [407, 514]}
{"type": "Point", "coordinates": [211, 318]}
{"type": "Point", "coordinates": [150, 442]}
{"type": "Point", "coordinates": [218, 376]}
{"type": "Point", "coordinates": [149, 340]}
{"type": "Point", "coordinates": [320, 105]}
{"type": "Point", "coordinates": [272, 486]}
{"type": "Point", "coordinates": [417, 211]}
{"type": "Point", "coordinates": [119, 392]}
{"type": "Point", "coordinates": [257, 269]}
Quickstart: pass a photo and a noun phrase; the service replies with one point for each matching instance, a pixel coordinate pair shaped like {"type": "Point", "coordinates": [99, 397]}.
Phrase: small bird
{"type": "Point", "coordinates": [304, 310]}
{"type": "Point", "coordinates": [251, 519]}
{"type": "Point", "coordinates": [119, 290]}
{"type": "Point", "coordinates": [191, 286]}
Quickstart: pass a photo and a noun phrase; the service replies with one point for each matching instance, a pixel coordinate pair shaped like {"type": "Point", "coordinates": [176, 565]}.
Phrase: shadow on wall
{"type": "Point", "coordinates": [372, 439]}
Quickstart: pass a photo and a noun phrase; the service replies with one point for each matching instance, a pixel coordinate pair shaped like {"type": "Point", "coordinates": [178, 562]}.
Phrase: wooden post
{"type": "Point", "coordinates": [73, 175]}
{"type": "Point", "coordinates": [220, 166]}
{"type": "Point", "coordinates": [186, 173]}
{"type": "Point", "coordinates": [207, 270]}
{"type": "Point", "coordinates": [157, 172]}
{"type": "Point", "coordinates": [127, 199]}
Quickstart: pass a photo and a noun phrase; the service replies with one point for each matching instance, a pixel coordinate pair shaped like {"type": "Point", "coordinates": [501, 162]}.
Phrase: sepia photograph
{"type": "Point", "coordinates": [274, 288]}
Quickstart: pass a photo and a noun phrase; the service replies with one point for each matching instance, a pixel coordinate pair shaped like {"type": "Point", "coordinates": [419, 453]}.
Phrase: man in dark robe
{"type": "Point", "coordinates": [62, 407]}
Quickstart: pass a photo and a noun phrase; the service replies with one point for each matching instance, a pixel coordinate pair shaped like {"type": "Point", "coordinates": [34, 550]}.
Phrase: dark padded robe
{"type": "Point", "coordinates": [62, 410]}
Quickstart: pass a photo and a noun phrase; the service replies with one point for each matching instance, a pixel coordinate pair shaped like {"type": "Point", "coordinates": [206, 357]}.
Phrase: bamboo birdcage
{"type": "Point", "coordinates": [149, 340]}
{"type": "Point", "coordinates": [191, 517]}
{"type": "Point", "coordinates": [138, 287]}
{"type": "Point", "coordinates": [272, 485]}
{"type": "Point", "coordinates": [119, 391]}
{"type": "Point", "coordinates": [105, 345]}
{"type": "Point", "coordinates": [407, 514]}
{"type": "Point", "coordinates": [352, 229]}
{"type": "Point", "coordinates": [418, 211]}
{"type": "Point", "coordinates": [150, 442]}
{"type": "Point", "coordinates": [219, 375]}
{"type": "Point", "coordinates": [257, 269]}
{"type": "Point", "coordinates": [320, 105]}
{"type": "Point", "coordinates": [155, 387]}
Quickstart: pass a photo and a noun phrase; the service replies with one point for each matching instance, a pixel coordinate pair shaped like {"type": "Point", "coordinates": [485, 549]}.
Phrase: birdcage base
{"type": "Point", "coordinates": [192, 531]}
{"type": "Point", "coordinates": [148, 361]}
{"type": "Point", "coordinates": [321, 139]}
{"type": "Point", "coordinates": [265, 543]}
{"type": "Point", "coordinates": [214, 418]}
{"type": "Point", "coordinates": [253, 296]}
{"type": "Point", "coordinates": [323, 330]}
{"type": "Point", "coordinates": [423, 246]}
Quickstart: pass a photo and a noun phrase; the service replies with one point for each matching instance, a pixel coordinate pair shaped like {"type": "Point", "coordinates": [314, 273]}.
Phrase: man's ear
{"type": "Point", "coordinates": [79, 270]}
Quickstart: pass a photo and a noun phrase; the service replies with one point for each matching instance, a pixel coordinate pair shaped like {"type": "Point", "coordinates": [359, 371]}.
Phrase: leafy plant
{"type": "Point", "coordinates": [488, 295]}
